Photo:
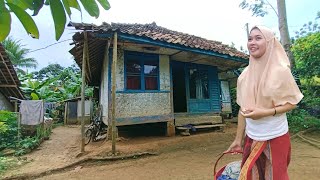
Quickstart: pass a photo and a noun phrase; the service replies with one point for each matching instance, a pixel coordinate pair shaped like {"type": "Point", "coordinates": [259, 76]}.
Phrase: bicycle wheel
{"type": "Point", "coordinates": [87, 136]}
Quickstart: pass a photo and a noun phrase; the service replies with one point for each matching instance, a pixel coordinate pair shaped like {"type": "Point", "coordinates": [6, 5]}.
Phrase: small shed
{"type": "Point", "coordinates": [161, 75]}
{"type": "Point", "coordinates": [9, 82]}
{"type": "Point", "coordinates": [72, 112]}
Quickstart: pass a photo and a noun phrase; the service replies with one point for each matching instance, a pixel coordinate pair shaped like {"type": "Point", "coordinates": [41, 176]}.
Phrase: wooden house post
{"type": "Point", "coordinates": [84, 59]}
{"type": "Point", "coordinates": [18, 118]}
{"type": "Point", "coordinates": [113, 72]}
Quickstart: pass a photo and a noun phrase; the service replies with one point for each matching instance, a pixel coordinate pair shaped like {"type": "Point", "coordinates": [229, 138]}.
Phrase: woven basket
{"type": "Point", "coordinates": [219, 172]}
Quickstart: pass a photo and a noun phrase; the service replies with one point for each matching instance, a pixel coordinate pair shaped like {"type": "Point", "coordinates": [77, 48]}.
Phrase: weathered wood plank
{"type": "Point", "coordinates": [181, 120]}
{"type": "Point", "coordinates": [143, 119]}
{"type": "Point", "coordinates": [201, 126]}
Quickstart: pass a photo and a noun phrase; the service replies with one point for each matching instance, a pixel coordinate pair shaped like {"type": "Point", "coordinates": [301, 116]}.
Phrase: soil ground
{"type": "Point", "coordinates": [179, 157]}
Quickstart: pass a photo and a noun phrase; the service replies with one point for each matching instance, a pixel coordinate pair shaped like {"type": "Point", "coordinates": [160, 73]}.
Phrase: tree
{"type": "Point", "coordinates": [50, 70]}
{"type": "Point", "coordinates": [309, 28]}
{"type": "Point", "coordinates": [259, 8]}
{"type": "Point", "coordinates": [307, 52]}
{"type": "Point", "coordinates": [63, 84]}
{"type": "Point", "coordinates": [59, 11]}
{"type": "Point", "coordinates": [17, 54]}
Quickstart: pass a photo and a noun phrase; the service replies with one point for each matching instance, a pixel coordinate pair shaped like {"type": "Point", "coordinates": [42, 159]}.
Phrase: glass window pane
{"type": "Point", "coordinates": [204, 85]}
{"type": "Point", "coordinates": [151, 68]}
{"type": "Point", "coordinates": [198, 84]}
{"type": "Point", "coordinates": [151, 83]}
{"type": "Point", "coordinates": [142, 72]}
{"type": "Point", "coordinates": [133, 67]}
{"type": "Point", "coordinates": [133, 82]}
{"type": "Point", "coordinates": [192, 83]}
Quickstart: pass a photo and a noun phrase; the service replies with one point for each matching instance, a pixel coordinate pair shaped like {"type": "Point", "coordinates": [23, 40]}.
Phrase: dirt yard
{"type": "Point", "coordinates": [180, 157]}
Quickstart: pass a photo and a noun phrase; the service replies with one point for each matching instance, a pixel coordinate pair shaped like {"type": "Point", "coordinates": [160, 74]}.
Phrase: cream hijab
{"type": "Point", "coordinates": [267, 82]}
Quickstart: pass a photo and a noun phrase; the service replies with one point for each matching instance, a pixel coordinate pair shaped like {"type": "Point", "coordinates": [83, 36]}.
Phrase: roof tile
{"type": "Point", "coordinates": [163, 34]}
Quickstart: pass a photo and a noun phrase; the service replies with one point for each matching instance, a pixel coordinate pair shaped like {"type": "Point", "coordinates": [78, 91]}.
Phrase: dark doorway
{"type": "Point", "coordinates": [73, 109]}
{"type": "Point", "coordinates": [179, 87]}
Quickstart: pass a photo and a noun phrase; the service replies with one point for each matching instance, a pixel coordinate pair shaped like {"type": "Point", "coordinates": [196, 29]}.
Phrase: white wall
{"type": "Point", "coordinates": [104, 88]}
{"type": "Point", "coordinates": [87, 105]}
{"type": "Point", "coordinates": [5, 104]}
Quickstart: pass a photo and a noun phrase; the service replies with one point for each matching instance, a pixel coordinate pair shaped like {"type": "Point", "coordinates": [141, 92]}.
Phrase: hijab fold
{"type": "Point", "coordinates": [267, 81]}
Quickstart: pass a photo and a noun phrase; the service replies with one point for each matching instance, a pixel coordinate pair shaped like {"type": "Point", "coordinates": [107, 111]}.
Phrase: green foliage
{"type": "Point", "coordinates": [17, 54]}
{"type": "Point", "coordinates": [8, 130]}
{"type": "Point", "coordinates": [307, 53]}
{"type": "Point", "coordinates": [5, 21]}
{"type": "Point", "coordinates": [299, 120]}
{"type": "Point", "coordinates": [26, 20]}
{"type": "Point", "coordinates": [7, 163]}
{"type": "Point", "coordinates": [258, 8]}
{"type": "Point", "coordinates": [59, 17]}
{"type": "Point", "coordinates": [51, 70]}
{"type": "Point", "coordinates": [91, 7]}
{"type": "Point", "coordinates": [306, 50]}
{"type": "Point", "coordinates": [308, 28]}
{"type": "Point", "coordinates": [9, 135]}
{"type": "Point", "coordinates": [59, 10]}
{"type": "Point", "coordinates": [27, 144]}
{"type": "Point", "coordinates": [54, 84]}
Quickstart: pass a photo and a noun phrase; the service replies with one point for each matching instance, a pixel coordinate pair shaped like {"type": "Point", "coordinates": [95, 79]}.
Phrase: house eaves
{"type": "Point", "coordinates": [9, 82]}
{"type": "Point", "coordinates": [225, 57]}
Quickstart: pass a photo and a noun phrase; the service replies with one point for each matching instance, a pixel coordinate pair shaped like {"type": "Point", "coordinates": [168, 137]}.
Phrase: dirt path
{"type": "Point", "coordinates": [60, 149]}
{"type": "Point", "coordinates": [189, 157]}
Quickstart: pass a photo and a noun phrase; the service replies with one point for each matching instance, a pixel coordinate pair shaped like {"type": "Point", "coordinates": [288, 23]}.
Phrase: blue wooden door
{"type": "Point", "coordinates": [202, 89]}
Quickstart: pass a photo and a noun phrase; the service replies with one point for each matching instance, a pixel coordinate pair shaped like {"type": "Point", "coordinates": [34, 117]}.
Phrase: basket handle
{"type": "Point", "coordinates": [221, 155]}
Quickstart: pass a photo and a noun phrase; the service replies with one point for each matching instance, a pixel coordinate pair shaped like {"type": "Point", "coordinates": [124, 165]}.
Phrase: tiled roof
{"type": "Point", "coordinates": [159, 33]}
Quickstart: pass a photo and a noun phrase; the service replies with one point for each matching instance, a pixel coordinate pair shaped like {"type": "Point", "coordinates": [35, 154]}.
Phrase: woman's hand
{"type": "Point", "coordinates": [255, 113]}
{"type": "Point", "coordinates": [235, 146]}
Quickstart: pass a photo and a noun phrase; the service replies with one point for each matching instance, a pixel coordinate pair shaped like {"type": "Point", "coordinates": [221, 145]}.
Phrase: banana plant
{"type": "Point", "coordinates": [64, 86]}
{"type": "Point", "coordinates": [60, 9]}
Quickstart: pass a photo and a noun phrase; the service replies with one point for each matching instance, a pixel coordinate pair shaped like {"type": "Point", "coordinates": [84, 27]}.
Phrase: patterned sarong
{"type": "Point", "coordinates": [266, 160]}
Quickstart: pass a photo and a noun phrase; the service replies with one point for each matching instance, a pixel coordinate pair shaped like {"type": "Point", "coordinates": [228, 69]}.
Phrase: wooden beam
{"type": "Point", "coordinates": [113, 72]}
{"type": "Point", "coordinates": [175, 53]}
{"type": "Point", "coordinates": [8, 69]}
{"type": "Point", "coordinates": [5, 77]}
{"type": "Point", "coordinates": [13, 92]}
{"type": "Point", "coordinates": [85, 49]}
{"type": "Point", "coordinates": [88, 65]}
{"type": "Point", "coordinates": [8, 85]}
{"type": "Point", "coordinates": [20, 92]}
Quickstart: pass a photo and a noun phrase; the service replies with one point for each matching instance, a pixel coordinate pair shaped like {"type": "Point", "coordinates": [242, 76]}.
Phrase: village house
{"type": "Point", "coordinates": [161, 75]}
{"type": "Point", "coordinates": [9, 82]}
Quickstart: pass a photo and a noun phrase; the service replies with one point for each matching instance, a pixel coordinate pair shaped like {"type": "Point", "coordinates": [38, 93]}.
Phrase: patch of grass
{"type": "Point", "coordinates": [7, 163]}
{"type": "Point", "coordinates": [54, 125]}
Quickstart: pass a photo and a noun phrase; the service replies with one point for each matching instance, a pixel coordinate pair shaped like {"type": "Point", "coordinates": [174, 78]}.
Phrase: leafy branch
{"type": "Point", "coordinates": [258, 7]}
{"type": "Point", "coordinates": [59, 11]}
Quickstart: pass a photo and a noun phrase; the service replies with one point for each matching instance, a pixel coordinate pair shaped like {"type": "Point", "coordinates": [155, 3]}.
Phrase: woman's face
{"type": "Point", "coordinates": [257, 43]}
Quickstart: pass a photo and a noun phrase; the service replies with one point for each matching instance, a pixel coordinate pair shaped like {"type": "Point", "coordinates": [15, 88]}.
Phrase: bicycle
{"type": "Point", "coordinates": [96, 128]}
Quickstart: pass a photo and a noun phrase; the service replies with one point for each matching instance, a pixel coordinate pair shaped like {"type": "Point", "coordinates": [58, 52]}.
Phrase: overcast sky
{"type": "Point", "coordinates": [221, 20]}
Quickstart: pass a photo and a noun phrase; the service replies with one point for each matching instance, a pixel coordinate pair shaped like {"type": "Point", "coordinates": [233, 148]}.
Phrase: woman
{"type": "Point", "coordinates": [266, 90]}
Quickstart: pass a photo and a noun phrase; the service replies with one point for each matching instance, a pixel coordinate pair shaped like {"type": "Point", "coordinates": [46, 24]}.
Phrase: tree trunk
{"type": "Point", "coordinates": [284, 32]}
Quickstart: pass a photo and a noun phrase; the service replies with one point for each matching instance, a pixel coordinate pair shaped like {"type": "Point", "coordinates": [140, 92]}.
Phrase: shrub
{"type": "Point", "coordinates": [300, 119]}
{"type": "Point", "coordinates": [9, 135]}
{"type": "Point", "coordinates": [8, 129]}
